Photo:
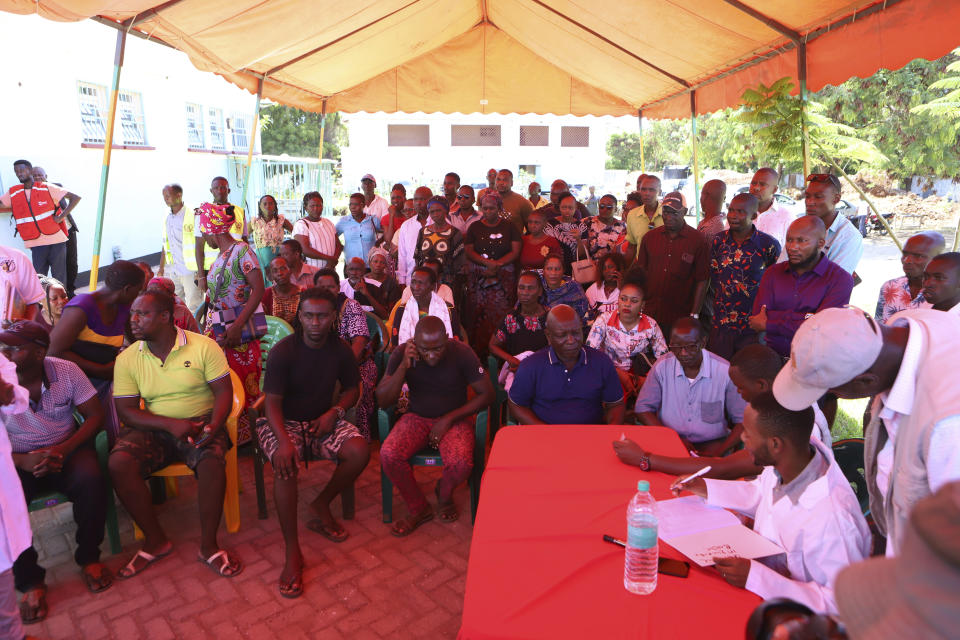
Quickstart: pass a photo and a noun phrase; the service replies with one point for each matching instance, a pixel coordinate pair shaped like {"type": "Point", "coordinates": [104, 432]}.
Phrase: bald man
{"type": "Point", "coordinates": [437, 372]}
{"type": "Point", "coordinates": [772, 218]}
{"type": "Point", "coordinates": [941, 282]}
{"type": "Point", "coordinates": [806, 283]}
{"type": "Point", "coordinates": [491, 182]}
{"type": "Point", "coordinates": [566, 382]}
{"type": "Point", "coordinates": [406, 237]}
{"type": "Point", "coordinates": [906, 292]}
{"type": "Point", "coordinates": [712, 196]}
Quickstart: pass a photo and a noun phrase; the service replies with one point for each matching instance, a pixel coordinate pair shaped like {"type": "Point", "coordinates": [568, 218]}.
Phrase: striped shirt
{"type": "Point", "coordinates": [50, 421]}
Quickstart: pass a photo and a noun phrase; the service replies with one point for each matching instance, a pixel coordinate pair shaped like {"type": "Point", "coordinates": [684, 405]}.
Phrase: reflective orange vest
{"type": "Point", "coordinates": [34, 217]}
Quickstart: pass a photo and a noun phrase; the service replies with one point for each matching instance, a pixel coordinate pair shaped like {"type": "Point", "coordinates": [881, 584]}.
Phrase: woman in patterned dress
{"type": "Point", "coordinates": [441, 240]}
{"type": "Point", "coordinates": [268, 228]}
{"type": "Point", "coordinates": [283, 298]}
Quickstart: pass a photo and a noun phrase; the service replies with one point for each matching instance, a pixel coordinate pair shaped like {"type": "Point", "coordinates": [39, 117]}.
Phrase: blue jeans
{"type": "Point", "coordinates": [52, 257]}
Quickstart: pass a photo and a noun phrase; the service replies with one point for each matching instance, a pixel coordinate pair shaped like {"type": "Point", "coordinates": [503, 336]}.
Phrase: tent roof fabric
{"type": "Point", "coordinates": [599, 57]}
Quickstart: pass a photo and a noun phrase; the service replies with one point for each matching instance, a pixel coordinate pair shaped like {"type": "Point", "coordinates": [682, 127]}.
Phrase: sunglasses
{"type": "Point", "coordinates": [606, 206]}
{"type": "Point", "coordinates": [463, 196]}
{"type": "Point", "coordinates": [826, 178]}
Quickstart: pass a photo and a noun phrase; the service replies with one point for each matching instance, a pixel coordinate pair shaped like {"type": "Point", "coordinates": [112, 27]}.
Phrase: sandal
{"type": "Point", "coordinates": [292, 588]}
{"type": "Point", "coordinates": [96, 584]}
{"type": "Point", "coordinates": [405, 526]}
{"type": "Point", "coordinates": [331, 531]}
{"type": "Point", "coordinates": [33, 605]}
{"type": "Point", "coordinates": [446, 511]}
{"type": "Point", "coordinates": [229, 567]}
{"type": "Point", "coordinates": [129, 570]}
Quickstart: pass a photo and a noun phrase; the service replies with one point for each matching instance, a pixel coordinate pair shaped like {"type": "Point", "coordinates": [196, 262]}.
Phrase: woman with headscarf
{"type": "Point", "coordinates": [441, 240]}
{"type": "Point", "coordinates": [234, 281]}
{"type": "Point", "coordinates": [389, 290]}
{"type": "Point", "coordinates": [492, 246]}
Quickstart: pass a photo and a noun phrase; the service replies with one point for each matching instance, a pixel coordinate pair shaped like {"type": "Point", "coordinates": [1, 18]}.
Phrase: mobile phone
{"type": "Point", "coordinates": [205, 440]}
{"type": "Point", "coordinates": [671, 567]}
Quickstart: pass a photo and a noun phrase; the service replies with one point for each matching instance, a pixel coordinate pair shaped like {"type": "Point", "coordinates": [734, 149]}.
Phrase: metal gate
{"type": "Point", "coordinates": [286, 179]}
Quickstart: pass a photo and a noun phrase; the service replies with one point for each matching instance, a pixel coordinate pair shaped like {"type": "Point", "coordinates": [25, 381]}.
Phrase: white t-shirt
{"type": "Point", "coordinates": [378, 208]}
{"type": "Point", "coordinates": [595, 294]}
{"type": "Point", "coordinates": [175, 238]}
{"type": "Point", "coordinates": [19, 284]}
{"type": "Point", "coordinates": [774, 222]}
{"type": "Point", "coordinates": [322, 236]}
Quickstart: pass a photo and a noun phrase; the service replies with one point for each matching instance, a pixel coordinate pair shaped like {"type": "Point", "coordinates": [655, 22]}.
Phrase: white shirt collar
{"type": "Point", "coordinates": [899, 399]}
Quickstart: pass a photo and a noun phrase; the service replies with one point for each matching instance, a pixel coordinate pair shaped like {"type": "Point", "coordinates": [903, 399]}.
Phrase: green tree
{"type": "Point", "coordinates": [297, 133]}
{"type": "Point", "coordinates": [665, 142]}
{"type": "Point", "coordinates": [948, 104]}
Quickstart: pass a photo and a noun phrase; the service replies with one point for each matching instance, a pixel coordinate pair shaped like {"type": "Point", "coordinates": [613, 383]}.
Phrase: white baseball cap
{"type": "Point", "coordinates": [829, 349]}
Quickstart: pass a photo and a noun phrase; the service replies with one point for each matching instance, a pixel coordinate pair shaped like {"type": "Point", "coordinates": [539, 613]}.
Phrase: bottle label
{"type": "Point", "coordinates": [642, 537]}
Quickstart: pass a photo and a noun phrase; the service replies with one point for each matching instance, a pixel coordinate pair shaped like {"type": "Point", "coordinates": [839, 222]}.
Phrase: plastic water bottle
{"type": "Point", "coordinates": [640, 562]}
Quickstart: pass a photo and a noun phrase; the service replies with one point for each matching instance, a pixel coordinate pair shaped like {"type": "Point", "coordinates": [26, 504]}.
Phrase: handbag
{"type": "Point", "coordinates": [584, 271]}
{"type": "Point", "coordinates": [221, 319]}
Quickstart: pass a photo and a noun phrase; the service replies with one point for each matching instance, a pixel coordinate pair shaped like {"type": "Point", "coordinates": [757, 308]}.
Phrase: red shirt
{"type": "Point", "coordinates": [533, 254]}
{"type": "Point", "coordinates": [397, 221]}
{"type": "Point", "coordinates": [674, 266]}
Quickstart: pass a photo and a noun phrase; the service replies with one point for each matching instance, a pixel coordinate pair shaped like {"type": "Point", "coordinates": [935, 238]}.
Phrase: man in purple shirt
{"type": "Point", "coordinates": [794, 290]}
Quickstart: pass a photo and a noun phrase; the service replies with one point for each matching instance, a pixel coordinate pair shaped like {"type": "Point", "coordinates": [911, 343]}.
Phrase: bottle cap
{"type": "Point", "coordinates": [643, 485]}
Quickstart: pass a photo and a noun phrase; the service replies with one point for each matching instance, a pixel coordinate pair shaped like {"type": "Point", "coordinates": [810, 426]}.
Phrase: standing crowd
{"type": "Point", "coordinates": [737, 334]}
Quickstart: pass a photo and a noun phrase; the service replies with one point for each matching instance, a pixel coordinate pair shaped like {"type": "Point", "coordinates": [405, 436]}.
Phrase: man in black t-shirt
{"type": "Point", "coordinates": [302, 422]}
{"type": "Point", "coordinates": [437, 372]}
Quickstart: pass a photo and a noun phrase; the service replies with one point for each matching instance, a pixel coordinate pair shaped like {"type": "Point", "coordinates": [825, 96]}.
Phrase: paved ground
{"type": "Point", "coordinates": [371, 586]}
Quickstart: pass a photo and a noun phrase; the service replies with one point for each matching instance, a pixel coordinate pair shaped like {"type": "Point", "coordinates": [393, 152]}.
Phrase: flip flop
{"type": "Point", "coordinates": [292, 588]}
{"type": "Point", "coordinates": [446, 511]}
{"type": "Point", "coordinates": [33, 608]}
{"type": "Point", "coordinates": [96, 585]}
{"type": "Point", "coordinates": [129, 570]}
{"type": "Point", "coordinates": [327, 531]}
{"type": "Point", "coordinates": [404, 527]}
{"type": "Point", "coordinates": [226, 569]}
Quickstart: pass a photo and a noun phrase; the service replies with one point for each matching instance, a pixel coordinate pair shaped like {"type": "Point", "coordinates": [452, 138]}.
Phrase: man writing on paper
{"type": "Point", "coordinates": [801, 501]}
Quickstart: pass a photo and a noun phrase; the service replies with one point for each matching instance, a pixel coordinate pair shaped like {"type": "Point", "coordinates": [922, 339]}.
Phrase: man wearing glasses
{"type": "Point", "coordinates": [464, 215]}
{"type": "Point", "coordinates": [689, 390]}
{"type": "Point", "coordinates": [640, 220]}
{"type": "Point", "coordinates": [844, 244]}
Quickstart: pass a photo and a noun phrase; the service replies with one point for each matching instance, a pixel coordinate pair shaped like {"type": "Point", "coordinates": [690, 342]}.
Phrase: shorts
{"type": "Point", "coordinates": [154, 450]}
{"type": "Point", "coordinates": [323, 447]}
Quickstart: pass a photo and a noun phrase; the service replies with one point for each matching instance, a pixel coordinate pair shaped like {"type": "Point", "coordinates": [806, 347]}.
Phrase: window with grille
{"type": "Point", "coordinates": [218, 136]}
{"type": "Point", "coordinates": [534, 136]}
{"type": "Point", "coordinates": [92, 112]}
{"type": "Point", "coordinates": [130, 119]}
{"type": "Point", "coordinates": [475, 135]}
{"type": "Point", "coordinates": [574, 136]}
{"type": "Point", "coordinates": [240, 132]}
{"type": "Point", "coordinates": [194, 126]}
{"type": "Point", "coordinates": [408, 135]}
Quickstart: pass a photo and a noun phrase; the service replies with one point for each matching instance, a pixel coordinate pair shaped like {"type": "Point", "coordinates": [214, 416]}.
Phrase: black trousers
{"type": "Point", "coordinates": [83, 483]}
{"type": "Point", "coordinates": [71, 283]}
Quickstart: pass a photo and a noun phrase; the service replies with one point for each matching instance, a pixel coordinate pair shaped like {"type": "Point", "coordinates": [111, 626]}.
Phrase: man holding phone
{"type": "Point", "coordinates": [437, 371]}
{"type": "Point", "coordinates": [184, 382]}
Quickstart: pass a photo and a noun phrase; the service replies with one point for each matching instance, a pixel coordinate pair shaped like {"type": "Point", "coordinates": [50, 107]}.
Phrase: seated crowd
{"type": "Point", "coordinates": [735, 334]}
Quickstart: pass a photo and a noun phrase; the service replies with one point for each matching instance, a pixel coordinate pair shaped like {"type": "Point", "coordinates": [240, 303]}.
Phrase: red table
{"type": "Point", "coordinates": [538, 565]}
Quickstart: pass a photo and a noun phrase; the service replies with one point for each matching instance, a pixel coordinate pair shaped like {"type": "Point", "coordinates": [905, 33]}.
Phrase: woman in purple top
{"type": "Point", "coordinates": [91, 330]}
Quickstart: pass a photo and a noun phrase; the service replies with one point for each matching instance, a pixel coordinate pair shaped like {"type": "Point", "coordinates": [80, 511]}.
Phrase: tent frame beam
{"type": "Point", "coordinates": [779, 27]}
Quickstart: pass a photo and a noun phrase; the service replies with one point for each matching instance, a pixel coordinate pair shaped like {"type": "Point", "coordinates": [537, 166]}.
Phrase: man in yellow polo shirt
{"type": "Point", "coordinates": [643, 219]}
{"type": "Point", "coordinates": [184, 382]}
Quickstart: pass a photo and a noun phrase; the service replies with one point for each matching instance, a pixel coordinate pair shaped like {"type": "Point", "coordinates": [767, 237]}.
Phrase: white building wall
{"type": "Point", "coordinates": [368, 151]}
{"type": "Point", "coordinates": [40, 121]}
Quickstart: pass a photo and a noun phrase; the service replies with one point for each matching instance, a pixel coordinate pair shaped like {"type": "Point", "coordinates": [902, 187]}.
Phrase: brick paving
{"type": "Point", "coordinates": [373, 585]}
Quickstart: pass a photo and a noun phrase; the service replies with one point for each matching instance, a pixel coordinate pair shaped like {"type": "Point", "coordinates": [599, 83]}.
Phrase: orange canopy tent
{"type": "Point", "coordinates": [664, 58]}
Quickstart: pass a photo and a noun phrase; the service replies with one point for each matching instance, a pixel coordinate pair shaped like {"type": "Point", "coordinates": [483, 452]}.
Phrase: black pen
{"type": "Point", "coordinates": [613, 540]}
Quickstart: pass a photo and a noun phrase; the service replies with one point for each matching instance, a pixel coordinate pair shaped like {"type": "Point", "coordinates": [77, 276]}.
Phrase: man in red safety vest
{"type": "Point", "coordinates": [40, 220]}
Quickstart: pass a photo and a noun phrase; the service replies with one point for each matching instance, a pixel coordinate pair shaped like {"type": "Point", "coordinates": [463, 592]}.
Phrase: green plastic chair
{"type": "Point", "coordinates": [53, 498]}
{"type": "Point", "coordinates": [379, 341]}
{"type": "Point", "coordinates": [500, 395]}
{"type": "Point", "coordinates": [431, 458]}
{"type": "Point", "coordinates": [277, 330]}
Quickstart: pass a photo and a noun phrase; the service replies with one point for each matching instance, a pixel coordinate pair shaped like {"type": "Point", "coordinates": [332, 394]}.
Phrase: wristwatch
{"type": "Point", "coordinates": [644, 463]}
{"type": "Point", "coordinates": [340, 412]}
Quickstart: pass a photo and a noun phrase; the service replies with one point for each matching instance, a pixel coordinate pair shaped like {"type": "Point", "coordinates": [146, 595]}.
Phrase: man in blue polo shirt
{"type": "Point", "coordinates": [566, 382]}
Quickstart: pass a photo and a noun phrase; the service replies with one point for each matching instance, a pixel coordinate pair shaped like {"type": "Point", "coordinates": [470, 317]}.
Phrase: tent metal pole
{"type": "Point", "coordinates": [643, 160]}
{"type": "Point", "coordinates": [253, 138]}
{"type": "Point", "coordinates": [107, 148]}
{"type": "Point", "coordinates": [693, 145]}
{"type": "Point", "coordinates": [802, 77]}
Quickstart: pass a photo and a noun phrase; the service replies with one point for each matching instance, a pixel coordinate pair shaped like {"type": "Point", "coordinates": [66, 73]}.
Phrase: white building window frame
{"type": "Point", "coordinates": [196, 134]}
{"type": "Point", "coordinates": [130, 121]}
{"type": "Point", "coordinates": [93, 112]}
{"type": "Point", "coordinates": [217, 133]}
{"type": "Point", "coordinates": [240, 131]}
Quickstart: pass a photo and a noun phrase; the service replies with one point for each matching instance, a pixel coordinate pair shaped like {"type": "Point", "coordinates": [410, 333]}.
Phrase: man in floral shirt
{"type": "Point", "coordinates": [906, 292]}
{"type": "Point", "coordinates": [738, 258]}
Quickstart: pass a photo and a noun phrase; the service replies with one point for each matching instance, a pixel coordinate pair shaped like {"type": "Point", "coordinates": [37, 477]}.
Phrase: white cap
{"type": "Point", "coordinates": [369, 176]}
{"type": "Point", "coordinates": [829, 349]}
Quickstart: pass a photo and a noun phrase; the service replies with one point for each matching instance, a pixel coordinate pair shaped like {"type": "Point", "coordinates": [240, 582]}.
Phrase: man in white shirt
{"type": "Point", "coordinates": [20, 290]}
{"type": "Point", "coordinates": [176, 263]}
{"type": "Point", "coordinates": [406, 238]}
{"type": "Point", "coordinates": [941, 283]}
{"type": "Point", "coordinates": [912, 444]}
{"type": "Point", "coordinates": [15, 534]}
{"type": "Point", "coordinates": [801, 501]}
{"type": "Point", "coordinates": [844, 244]}
{"type": "Point", "coordinates": [774, 218]}
{"type": "Point", "coordinates": [373, 205]}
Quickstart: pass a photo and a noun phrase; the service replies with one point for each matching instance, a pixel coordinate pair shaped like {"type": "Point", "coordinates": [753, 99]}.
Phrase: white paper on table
{"type": "Point", "coordinates": [690, 514]}
{"type": "Point", "coordinates": [735, 540]}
